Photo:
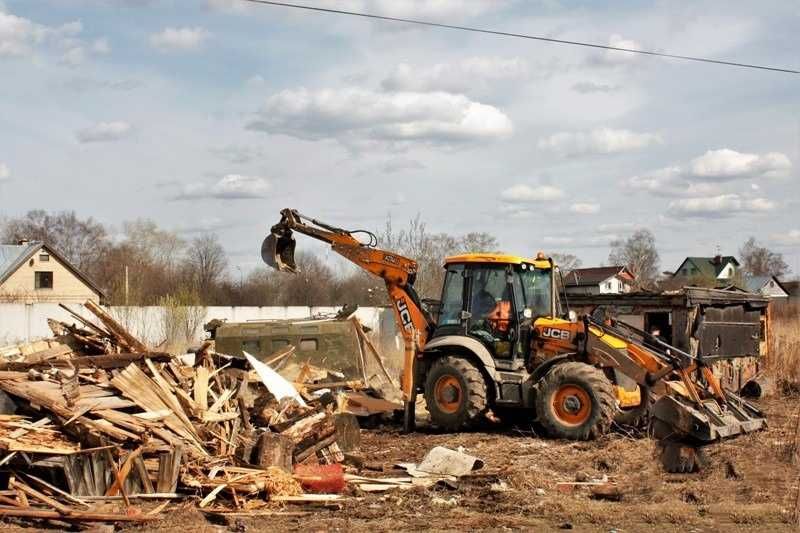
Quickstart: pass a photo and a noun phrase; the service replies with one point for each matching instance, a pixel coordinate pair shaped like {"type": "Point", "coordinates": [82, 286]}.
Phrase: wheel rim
{"type": "Point", "coordinates": [448, 394]}
{"type": "Point", "coordinates": [572, 405]}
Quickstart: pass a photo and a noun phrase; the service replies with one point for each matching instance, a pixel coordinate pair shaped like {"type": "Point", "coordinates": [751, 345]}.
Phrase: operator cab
{"type": "Point", "coordinates": [495, 299]}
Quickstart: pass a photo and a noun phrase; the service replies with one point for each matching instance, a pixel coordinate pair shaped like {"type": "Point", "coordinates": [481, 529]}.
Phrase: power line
{"type": "Point", "coordinates": [520, 36]}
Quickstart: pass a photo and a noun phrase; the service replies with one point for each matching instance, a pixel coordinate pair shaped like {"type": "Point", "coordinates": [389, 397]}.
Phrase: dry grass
{"type": "Point", "coordinates": [784, 357]}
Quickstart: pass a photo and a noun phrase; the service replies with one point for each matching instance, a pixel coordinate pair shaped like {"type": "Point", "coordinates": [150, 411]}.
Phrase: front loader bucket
{"type": "Point", "coordinates": [708, 421]}
{"type": "Point", "coordinates": [277, 251]}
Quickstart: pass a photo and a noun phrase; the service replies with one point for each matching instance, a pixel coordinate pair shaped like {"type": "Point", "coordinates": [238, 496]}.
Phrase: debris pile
{"type": "Point", "coordinates": [98, 419]}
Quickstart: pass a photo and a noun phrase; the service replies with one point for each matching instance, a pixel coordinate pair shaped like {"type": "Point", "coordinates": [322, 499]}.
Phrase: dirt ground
{"type": "Point", "coordinates": [750, 484]}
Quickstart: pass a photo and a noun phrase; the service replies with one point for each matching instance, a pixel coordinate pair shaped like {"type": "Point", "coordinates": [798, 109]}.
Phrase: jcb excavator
{"type": "Point", "coordinates": [503, 341]}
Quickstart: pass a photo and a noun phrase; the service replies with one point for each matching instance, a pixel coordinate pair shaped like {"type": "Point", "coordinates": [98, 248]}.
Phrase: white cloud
{"type": "Point", "coordinates": [726, 164]}
{"type": "Point", "coordinates": [18, 35]}
{"type": "Point", "coordinates": [584, 208]}
{"type": "Point", "coordinates": [179, 38]}
{"type": "Point", "coordinates": [211, 224]}
{"type": "Point", "coordinates": [464, 76]}
{"type": "Point", "coordinates": [354, 113]}
{"type": "Point", "coordinates": [703, 175]}
{"type": "Point", "coordinates": [101, 46]}
{"type": "Point", "coordinates": [588, 87]}
{"type": "Point", "coordinates": [399, 164]}
{"type": "Point", "coordinates": [723, 205]}
{"type": "Point", "coordinates": [5, 173]}
{"type": "Point", "coordinates": [104, 132]}
{"type": "Point", "coordinates": [615, 57]}
{"type": "Point", "coordinates": [670, 181]}
{"type": "Point", "coordinates": [598, 141]}
{"type": "Point", "coordinates": [21, 37]}
{"type": "Point", "coordinates": [580, 242]}
{"type": "Point", "coordinates": [522, 193]}
{"type": "Point", "coordinates": [790, 238]}
{"type": "Point", "coordinates": [230, 187]}
{"type": "Point", "coordinates": [434, 10]}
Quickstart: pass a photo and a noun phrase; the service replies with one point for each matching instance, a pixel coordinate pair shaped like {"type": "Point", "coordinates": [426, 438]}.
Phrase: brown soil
{"type": "Point", "coordinates": [750, 484]}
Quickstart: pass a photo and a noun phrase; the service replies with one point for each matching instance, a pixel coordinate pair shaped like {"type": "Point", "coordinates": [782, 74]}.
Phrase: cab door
{"type": "Point", "coordinates": [491, 311]}
{"type": "Point", "coordinates": [452, 311]}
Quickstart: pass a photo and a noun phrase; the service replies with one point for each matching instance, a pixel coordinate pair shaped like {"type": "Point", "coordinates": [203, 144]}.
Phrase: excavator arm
{"type": "Point", "coordinates": [397, 272]}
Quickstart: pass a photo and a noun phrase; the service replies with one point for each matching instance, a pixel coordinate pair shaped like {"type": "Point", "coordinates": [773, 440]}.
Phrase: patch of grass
{"type": "Point", "coordinates": [783, 359]}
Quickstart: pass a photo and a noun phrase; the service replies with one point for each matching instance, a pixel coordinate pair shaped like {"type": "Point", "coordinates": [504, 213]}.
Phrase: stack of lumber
{"type": "Point", "coordinates": [133, 425]}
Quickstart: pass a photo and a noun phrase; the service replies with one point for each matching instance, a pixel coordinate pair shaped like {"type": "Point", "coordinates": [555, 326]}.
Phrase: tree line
{"type": "Point", "coordinates": [144, 264]}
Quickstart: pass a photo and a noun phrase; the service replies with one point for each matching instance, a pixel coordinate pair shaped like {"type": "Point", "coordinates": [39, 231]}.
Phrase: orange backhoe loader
{"type": "Point", "coordinates": [502, 341]}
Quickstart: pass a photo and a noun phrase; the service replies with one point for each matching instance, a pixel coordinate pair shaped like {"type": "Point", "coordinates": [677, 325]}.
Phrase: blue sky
{"type": "Point", "coordinates": [211, 115]}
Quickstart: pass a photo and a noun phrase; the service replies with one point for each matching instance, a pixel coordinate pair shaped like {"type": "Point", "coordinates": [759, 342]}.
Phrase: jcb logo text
{"type": "Point", "coordinates": [553, 333]}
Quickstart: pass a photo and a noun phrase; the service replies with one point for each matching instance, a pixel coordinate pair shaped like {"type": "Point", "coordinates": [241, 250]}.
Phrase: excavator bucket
{"type": "Point", "coordinates": [709, 420]}
{"type": "Point", "coordinates": [277, 250]}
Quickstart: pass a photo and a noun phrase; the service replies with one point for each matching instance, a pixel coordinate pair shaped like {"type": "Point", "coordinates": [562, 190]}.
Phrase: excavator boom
{"type": "Point", "coordinates": [397, 272]}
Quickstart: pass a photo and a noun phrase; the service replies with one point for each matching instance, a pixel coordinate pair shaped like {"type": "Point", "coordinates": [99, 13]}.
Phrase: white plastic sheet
{"type": "Point", "coordinates": [275, 383]}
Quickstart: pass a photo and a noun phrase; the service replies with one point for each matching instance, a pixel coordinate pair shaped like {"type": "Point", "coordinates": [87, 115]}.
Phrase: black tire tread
{"type": "Point", "coordinates": [602, 391]}
{"type": "Point", "coordinates": [476, 393]}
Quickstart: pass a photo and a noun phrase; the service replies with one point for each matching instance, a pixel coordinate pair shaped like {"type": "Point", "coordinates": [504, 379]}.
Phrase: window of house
{"type": "Point", "coordinates": [308, 345]}
{"type": "Point", "coordinates": [44, 258]}
{"type": "Point", "coordinates": [608, 285]}
{"type": "Point", "coordinates": [44, 280]}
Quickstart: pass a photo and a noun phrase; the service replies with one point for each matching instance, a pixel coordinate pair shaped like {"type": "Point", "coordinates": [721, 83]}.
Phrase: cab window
{"type": "Point", "coordinates": [452, 296]}
{"type": "Point", "coordinates": [532, 289]}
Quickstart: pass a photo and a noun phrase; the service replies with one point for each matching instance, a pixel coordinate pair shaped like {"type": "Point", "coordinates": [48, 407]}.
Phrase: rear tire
{"type": "Point", "coordinates": [455, 393]}
{"type": "Point", "coordinates": [575, 401]}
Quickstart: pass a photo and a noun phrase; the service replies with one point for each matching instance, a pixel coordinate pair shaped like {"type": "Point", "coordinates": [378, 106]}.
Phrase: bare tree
{"type": "Point", "coordinates": [207, 262]}
{"type": "Point", "coordinates": [154, 244]}
{"type": "Point", "coordinates": [566, 262]}
{"type": "Point", "coordinates": [758, 260]}
{"type": "Point", "coordinates": [429, 251]}
{"type": "Point", "coordinates": [639, 254]}
{"type": "Point", "coordinates": [312, 285]}
{"type": "Point", "coordinates": [477, 242]}
{"type": "Point", "coordinates": [84, 242]}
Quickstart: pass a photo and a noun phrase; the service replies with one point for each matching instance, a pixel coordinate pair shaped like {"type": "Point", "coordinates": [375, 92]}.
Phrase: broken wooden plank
{"type": "Point", "coordinates": [116, 328]}
{"type": "Point", "coordinates": [77, 516]}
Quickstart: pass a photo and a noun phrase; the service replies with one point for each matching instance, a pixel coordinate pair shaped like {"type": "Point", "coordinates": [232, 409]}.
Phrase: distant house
{"type": "Point", "coordinates": [599, 280]}
{"type": "Point", "coordinates": [768, 286]}
{"type": "Point", "coordinates": [33, 272]}
{"type": "Point", "coordinates": [722, 268]}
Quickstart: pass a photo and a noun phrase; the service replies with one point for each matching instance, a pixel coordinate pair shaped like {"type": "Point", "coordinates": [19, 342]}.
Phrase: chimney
{"type": "Point", "coordinates": [717, 259]}
{"type": "Point", "coordinates": [23, 242]}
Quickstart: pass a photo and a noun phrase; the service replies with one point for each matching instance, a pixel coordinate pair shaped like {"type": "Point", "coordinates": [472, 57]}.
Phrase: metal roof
{"type": "Point", "coordinates": [580, 277]}
{"type": "Point", "coordinates": [756, 283]}
{"type": "Point", "coordinates": [495, 258]}
{"type": "Point", "coordinates": [12, 256]}
{"type": "Point", "coordinates": [709, 266]}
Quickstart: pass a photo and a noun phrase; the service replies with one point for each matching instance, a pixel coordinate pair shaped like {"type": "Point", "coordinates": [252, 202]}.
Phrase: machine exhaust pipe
{"type": "Point", "coordinates": [277, 250]}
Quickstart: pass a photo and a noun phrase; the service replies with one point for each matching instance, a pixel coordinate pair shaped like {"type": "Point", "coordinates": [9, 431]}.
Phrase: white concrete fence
{"type": "Point", "coordinates": [21, 322]}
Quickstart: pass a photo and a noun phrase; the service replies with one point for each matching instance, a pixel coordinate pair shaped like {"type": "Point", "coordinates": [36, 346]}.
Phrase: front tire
{"type": "Point", "coordinates": [455, 393]}
{"type": "Point", "coordinates": [575, 401]}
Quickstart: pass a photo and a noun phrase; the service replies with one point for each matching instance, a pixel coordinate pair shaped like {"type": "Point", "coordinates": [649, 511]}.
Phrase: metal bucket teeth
{"type": "Point", "coordinates": [708, 421]}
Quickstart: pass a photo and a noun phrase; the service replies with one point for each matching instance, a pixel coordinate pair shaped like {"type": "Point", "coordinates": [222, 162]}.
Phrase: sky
{"type": "Point", "coordinates": [212, 115]}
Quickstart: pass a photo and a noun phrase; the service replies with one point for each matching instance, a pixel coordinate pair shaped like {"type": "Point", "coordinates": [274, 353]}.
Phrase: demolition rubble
{"type": "Point", "coordinates": [102, 428]}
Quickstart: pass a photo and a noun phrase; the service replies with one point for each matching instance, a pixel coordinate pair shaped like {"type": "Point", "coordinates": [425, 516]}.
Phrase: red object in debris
{"type": "Point", "coordinates": [320, 478]}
